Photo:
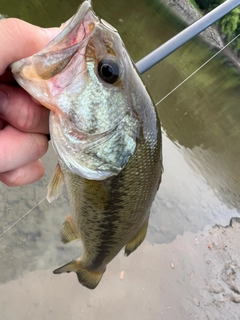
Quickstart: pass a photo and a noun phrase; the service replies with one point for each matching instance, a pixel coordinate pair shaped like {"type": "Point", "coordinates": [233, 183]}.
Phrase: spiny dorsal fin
{"type": "Point", "coordinates": [68, 232]}
{"type": "Point", "coordinates": [136, 240]}
{"type": "Point", "coordinates": [55, 186]}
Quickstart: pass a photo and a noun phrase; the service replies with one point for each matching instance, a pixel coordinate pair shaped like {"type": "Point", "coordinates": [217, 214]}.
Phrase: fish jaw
{"type": "Point", "coordinates": [77, 150]}
{"type": "Point", "coordinates": [41, 74]}
{"type": "Point", "coordinates": [60, 75]}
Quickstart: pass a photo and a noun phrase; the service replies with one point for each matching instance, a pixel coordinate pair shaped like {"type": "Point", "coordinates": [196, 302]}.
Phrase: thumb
{"type": "Point", "coordinates": [20, 39]}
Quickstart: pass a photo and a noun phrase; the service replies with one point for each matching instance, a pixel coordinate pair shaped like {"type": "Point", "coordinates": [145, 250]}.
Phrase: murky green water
{"type": "Point", "coordinates": [201, 135]}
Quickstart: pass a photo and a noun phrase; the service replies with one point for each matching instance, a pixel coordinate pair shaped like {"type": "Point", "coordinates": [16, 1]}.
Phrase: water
{"type": "Point", "coordinates": [200, 187]}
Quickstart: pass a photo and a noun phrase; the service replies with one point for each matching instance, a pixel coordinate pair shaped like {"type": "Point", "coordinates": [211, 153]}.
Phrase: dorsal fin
{"type": "Point", "coordinates": [136, 240]}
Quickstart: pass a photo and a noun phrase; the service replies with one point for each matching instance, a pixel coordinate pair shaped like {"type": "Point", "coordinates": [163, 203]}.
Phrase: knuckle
{"type": "Point", "coordinates": [13, 178]}
{"type": "Point", "coordinates": [28, 117]}
{"type": "Point", "coordinates": [23, 175]}
{"type": "Point", "coordinates": [15, 24]}
{"type": "Point", "coordinates": [38, 146]}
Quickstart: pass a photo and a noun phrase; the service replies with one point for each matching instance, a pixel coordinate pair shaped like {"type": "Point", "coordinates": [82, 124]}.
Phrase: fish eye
{"type": "Point", "coordinates": [108, 70]}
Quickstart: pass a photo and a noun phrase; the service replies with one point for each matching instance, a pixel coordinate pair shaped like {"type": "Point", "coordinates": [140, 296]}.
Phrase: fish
{"type": "Point", "coordinates": [106, 134]}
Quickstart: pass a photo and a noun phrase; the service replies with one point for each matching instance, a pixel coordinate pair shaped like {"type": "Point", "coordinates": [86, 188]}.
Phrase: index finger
{"type": "Point", "coordinates": [20, 39]}
{"type": "Point", "coordinates": [18, 109]}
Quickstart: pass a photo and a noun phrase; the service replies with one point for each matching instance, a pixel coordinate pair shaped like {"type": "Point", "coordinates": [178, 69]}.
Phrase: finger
{"type": "Point", "coordinates": [30, 173]}
{"type": "Point", "coordinates": [20, 148]}
{"type": "Point", "coordinates": [20, 39]}
{"type": "Point", "coordinates": [18, 109]}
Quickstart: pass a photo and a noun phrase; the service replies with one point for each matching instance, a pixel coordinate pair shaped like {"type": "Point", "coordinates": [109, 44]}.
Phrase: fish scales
{"type": "Point", "coordinates": [106, 134]}
{"type": "Point", "coordinates": [108, 213]}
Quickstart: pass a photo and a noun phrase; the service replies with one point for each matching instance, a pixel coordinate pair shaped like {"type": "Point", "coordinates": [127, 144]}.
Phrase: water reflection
{"type": "Point", "coordinates": [185, 200]}
{"type": "Point", "coordinates": [203, 116]}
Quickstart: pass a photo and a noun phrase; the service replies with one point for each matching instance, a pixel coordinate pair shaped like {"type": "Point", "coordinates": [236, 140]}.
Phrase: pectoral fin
{"type": "Point", "coordinates": [89, 279]}
{"type": "Point", "coordinates": [55, 186]}
{"type": "Point", "coordinates": [136, 240]}
{"type": "Point", "coordinates": [68, 232]}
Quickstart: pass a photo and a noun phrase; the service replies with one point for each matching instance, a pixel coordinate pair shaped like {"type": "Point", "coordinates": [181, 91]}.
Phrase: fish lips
{"type": "Point", "coordinates": [53, 59]}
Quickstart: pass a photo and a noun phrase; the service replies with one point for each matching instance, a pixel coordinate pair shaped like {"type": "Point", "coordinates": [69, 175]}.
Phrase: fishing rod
{"type": "Point", "coordinates": [181, 38]}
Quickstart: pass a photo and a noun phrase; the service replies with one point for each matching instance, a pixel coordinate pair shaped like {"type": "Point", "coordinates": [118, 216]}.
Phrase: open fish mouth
{"type": "Point", "coordinates": [80, 77]}
{"type": "Point", "coordinates": [70, 42]}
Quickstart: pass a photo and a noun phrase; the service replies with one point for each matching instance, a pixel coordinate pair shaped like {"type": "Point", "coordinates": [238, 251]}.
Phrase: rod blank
{"type": "Point", "coordinates": [181, 38]}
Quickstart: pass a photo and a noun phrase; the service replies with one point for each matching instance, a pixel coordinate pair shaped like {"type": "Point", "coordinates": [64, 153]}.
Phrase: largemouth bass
{"type": "Point", "coordinates": [106, 134]}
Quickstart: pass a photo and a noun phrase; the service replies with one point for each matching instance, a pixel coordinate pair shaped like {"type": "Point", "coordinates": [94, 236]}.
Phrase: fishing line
{"type": "Point", "coordinates": [22, 217]}
{"type": "Point", "coordinates": [167, 95]}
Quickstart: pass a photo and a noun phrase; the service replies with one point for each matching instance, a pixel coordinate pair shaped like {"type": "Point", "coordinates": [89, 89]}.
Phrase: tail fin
{"type": "Point", "coordinates": [89, 279]}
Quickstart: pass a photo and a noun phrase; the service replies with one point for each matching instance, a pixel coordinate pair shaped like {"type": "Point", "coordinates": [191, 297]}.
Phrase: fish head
{"type": "Point", "coordinates": [86, 78]}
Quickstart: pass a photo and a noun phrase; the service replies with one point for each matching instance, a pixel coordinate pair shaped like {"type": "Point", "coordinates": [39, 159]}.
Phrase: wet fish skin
{"type": "Point", "coordinates": [107, 137]}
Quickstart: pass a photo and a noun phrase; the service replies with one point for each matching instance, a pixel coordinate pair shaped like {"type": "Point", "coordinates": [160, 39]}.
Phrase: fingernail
{"type": "Point", "coordinates": [3, 102]}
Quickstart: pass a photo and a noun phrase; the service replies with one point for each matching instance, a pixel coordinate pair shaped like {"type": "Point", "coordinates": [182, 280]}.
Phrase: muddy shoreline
{"type": "Point", "coordinates": [204, 269]}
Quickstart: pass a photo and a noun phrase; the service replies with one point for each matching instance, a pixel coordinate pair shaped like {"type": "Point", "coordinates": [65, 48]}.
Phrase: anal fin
{"type": "Point", "coordinates": [136, 240]}
{"type": "Point", "coordinates": [55, 186]}
{"type": "Point", "coordinates": [68, 232]}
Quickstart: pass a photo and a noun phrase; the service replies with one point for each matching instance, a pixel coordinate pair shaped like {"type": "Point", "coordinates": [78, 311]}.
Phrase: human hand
{"type": "Point", "coordinates": [23, 121]}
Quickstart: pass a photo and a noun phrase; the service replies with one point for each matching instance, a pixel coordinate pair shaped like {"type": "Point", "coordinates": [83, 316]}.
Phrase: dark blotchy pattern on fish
{"type": "Point", "coordinates": [107, 213]}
